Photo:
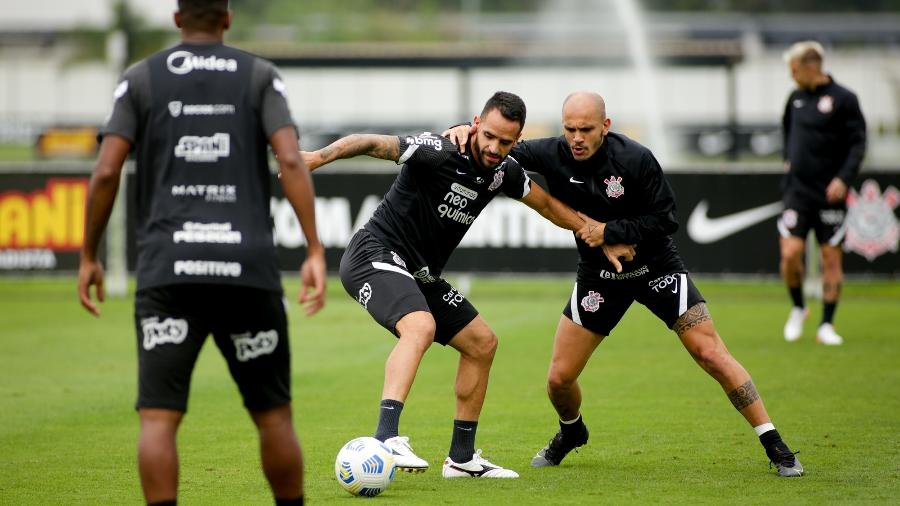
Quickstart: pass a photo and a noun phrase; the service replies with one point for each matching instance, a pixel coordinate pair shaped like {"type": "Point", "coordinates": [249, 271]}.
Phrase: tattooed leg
{"type": "Point", "coordinates": [744, 395]}
{"type": "Point", "coordinates": [694, 316]}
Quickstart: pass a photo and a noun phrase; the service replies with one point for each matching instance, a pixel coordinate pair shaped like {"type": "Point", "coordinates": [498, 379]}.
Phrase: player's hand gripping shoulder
{"type": "Point", "coordinates": [459, 135]}
{"type": "Point", "coordinates": [386, 147]}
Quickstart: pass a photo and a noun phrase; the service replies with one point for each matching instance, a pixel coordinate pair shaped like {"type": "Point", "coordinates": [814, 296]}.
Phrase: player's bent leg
{"type": "Point", "coordinates": [792, 249]}
{"type": "Point", "coordinates": [698, 334]}
{"type": "Point", "coordinates": [280, 453]}
{"type": "Point", "coordinates": [573, 346]}
{"type": "Point", "coordinates": [832, 277]}
{"type": "Point", "coordinates": [157, 453]}
{"type": "Point", "coordinates": [415, 333]}
{"type": "Point", "coordinates": [477, 345]}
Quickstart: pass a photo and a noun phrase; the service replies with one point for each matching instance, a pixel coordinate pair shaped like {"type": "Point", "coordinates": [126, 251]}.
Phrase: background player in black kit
{"type": "Point", "coordinates": [199, 117]}
{"type": "Point", "coordinates": [619, 183]}
{"type": "Point", "coordinates": [393, 265]}
{"type": "Point", "coordinates": [824, 145]}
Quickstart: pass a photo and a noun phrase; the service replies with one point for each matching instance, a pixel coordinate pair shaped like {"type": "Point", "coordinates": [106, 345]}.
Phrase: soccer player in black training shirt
{"type": "Point", "coordinates": [199, 117]}
{"type": "Point", "coordinates": [393, 265]}
{"type": "Point", "coordinates": [824, 145]}
{"type": "Point", "coordinates": [619, 183]}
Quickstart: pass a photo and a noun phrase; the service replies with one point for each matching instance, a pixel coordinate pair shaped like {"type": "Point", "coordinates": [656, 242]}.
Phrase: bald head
{"type": "Point", "coordinates": [585, 124]}
{"type": "Point", "coordinates": [585, 102]}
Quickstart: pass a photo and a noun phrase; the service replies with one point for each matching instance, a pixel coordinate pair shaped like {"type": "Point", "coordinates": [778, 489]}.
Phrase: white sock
{"type": "Point", "coordinates": [570, 422]}
{"type": "Point", "coordinates": [763, 428]}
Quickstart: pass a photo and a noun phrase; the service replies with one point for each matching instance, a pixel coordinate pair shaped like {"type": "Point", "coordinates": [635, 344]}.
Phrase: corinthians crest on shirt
{"type": "Point", "coordinates": [614, 188]}
{"type": "Point", "coordinates": [498, 180]}
{"type": "Point", "coordinates": [591, 302]}
{"type": "Point", "coordinates": [872, 228]}
{"type": "Point", "coordinates": [826, 104]}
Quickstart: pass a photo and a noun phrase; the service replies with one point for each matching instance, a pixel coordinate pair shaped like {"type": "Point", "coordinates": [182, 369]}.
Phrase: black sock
{"type": "Point", "coordinates": [462, 445]}
{"type": "Point", "coordinates": [574, 428]}
{"type": "Point", "coordinates": [173, 502]}
{"type": "Point", "coordinates": [388, 419]}
{"type": "Point", "coordinates": [770, 438]}
{"type": "Point", "coordinates": [828, 309]}
{"type": "Point", "coordinates": [797, 296]}
{"type": "Point", "coordinates": [289, 502]}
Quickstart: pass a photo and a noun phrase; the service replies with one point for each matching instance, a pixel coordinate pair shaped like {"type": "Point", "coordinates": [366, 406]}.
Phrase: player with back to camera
{"type": "Point", "coordinates": [393, 265]}
{"type": "Point", "coordinates": [824, 144]}
{"type": "Point", "coordinates": [199, 117]}
{"type": "Point", "coordinates": [619, 183]}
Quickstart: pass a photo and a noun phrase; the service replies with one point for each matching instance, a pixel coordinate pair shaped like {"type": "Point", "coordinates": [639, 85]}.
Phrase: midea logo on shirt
{"type": "Point", "coordinates": [183, 62]}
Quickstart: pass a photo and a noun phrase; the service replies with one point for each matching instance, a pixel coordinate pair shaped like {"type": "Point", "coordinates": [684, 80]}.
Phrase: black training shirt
{"type": "Point", "coordinates": [435, 199]}
{"type": "Point", "coordinates": [621, 185]}
{"type": "Point", "coordinates": [824, 138]}
{"type": "Point", "coordinates": [199, 117]}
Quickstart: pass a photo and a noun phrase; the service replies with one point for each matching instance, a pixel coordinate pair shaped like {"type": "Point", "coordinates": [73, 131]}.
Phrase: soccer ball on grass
{"type": "Point", "coordinates": [364, 466]}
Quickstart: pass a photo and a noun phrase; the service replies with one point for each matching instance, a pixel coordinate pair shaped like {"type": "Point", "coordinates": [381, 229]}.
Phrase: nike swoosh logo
{"type": "Point", "coordinates": [460, 173]}
{"type": "Point", "coordinates": [573, 180]}
{"type": "Point", "coordinates": [387, 407]}
{"type": "Point", "coordinates": [704, 230]}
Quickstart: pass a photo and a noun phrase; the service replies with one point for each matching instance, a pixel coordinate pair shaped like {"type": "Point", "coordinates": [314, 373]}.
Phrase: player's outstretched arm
{"type": "Point", "coordinates": [557, 212]}
{"type": "Point", "coordinates": [298, 189]}
{"type": "Point", "coordinates": [386, 147]}
{"type": "Point", "coordinates": [100, 199]}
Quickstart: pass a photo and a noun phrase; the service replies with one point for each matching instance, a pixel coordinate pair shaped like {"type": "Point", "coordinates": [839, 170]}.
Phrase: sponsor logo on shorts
{"type": "Point", "coordinates": [184, 62]}
{"type": "Point", "coordinates": [453, 297]}
{"type": "Point", "coordinates": [248, 348]}
{"type": "Point", "coordinates": [207, 233]}
{"type": "Point", "coordinates": [789, 218]}
{"type": "Point", "coordinates": [365, 295]}
{"type": "Point", "coordinates": [195, 148]}
{"type": "Point", "coordinates": [831, 216]}
{"type": "Point", "coordinates": [168, 331]}
{"type": "Point", "coordinates": [640, 271]}
{"type": "Point", "coordinates": [397, 260]}
{"type": "Point", "coordinates": [225, 193]}
{"type": "Point", "coordinates": [591, 302]}
{"type": "Point", "coordinates": [424, 275]}
{"type": "Point", "coordinates": [207, 268]}
{"type": "Point", "coordinates": [668, 281]}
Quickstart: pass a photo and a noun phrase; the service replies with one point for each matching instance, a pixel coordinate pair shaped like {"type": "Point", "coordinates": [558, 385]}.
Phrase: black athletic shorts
{"type": "Point", "coordinates": [249, 327]}
{"type": "Point", "coordinates": [378, 279]}
{"type": "Point", "coordinates": [598, 303]}
{"type": "Point", "coordinates": [829, 223]}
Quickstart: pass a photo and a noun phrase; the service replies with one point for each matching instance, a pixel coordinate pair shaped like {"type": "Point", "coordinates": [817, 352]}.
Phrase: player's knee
{"type": "Point", "coordinates": [485, 345]}
{"type": "Point", "coordinates": [558, 379]}
{"type": "Point", "coordinates": [418, 326]}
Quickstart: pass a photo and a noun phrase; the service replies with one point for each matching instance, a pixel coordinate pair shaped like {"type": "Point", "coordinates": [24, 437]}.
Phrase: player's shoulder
{"type": "Point", "coordinates": [623, 147]}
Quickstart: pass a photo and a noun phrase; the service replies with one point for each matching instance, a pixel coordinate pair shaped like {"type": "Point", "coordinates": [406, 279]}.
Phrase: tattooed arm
{"type": "Point", "coordinates": [386, 147]}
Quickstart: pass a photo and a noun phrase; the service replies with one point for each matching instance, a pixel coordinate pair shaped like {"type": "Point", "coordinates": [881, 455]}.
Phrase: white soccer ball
{"type": "Point", "coordinates": [364, 466]}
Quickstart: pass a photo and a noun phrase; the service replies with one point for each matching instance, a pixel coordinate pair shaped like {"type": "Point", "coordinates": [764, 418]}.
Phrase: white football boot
{"type": "Point", "coordinates": [793, 329]}
{"type": "Point", "coordinates": [478, 467]}
{"type": "Point", "coordinates": [827, 335]}
{"type": "Point", "coordinates": [404, 457]}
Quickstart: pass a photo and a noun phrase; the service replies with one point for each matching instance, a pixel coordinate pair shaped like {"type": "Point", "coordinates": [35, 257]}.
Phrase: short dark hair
{"type": "Point", "coordinates": [510, 106]}
{"type": "Point", "coordinates": [202, 14]}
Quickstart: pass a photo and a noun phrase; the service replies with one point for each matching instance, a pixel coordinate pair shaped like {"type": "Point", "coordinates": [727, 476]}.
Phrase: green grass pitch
{"type": "Point", "coordinates": [661, 430]}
